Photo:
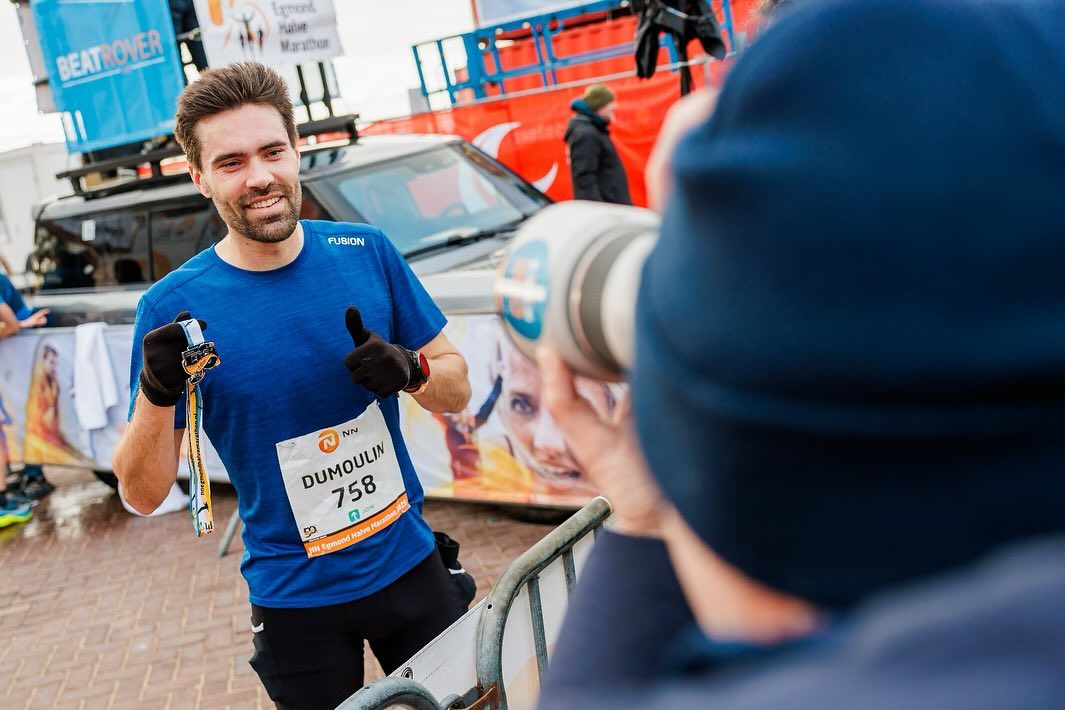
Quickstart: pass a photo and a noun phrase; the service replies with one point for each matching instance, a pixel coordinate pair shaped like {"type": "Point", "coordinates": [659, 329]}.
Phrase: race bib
{"type": "Point", "coordinates": [343, 483]}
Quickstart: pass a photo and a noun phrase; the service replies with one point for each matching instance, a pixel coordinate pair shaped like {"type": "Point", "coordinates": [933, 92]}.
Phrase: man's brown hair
{"type": "Point", "coordinates": [225, 88]}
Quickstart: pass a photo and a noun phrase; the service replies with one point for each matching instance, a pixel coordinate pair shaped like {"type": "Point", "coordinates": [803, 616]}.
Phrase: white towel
{"type": "Point", "coordinates": [95, 391]}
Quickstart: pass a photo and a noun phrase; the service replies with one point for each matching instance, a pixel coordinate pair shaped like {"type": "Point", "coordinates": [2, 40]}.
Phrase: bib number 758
{"type": "Point", "coordinates": [355, 491]}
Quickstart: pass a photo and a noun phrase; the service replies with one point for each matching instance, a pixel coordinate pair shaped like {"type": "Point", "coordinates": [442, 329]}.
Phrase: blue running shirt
{"type": "Point", "coordinates": [10, 295]}
{"type": "Point", "coordinates": [282, 341]}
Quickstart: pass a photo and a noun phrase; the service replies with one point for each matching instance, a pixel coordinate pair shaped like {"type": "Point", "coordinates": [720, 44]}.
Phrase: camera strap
{"type": "Point", "coordinates": [197, 360]}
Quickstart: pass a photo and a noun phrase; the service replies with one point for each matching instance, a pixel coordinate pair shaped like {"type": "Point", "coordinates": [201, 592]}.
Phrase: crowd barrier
{"type": "Point", "coordinates": [557, 551]}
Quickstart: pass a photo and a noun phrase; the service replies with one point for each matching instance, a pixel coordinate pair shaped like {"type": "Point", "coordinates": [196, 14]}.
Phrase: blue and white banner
{"type": "Point", "coordinates": [113, 66]}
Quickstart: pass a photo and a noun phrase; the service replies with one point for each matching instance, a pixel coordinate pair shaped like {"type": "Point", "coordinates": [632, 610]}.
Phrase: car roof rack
{"type": "Point", "coordinates": [167, 165]}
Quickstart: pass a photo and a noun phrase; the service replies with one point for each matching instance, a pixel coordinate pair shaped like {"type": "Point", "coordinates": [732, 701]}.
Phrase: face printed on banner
{"type": "Point", "coordinates": [50, 361]}
{"type": "Point", "coordinates": [534, 435]}
{"type": "Point", "coordinates": [250, 171]}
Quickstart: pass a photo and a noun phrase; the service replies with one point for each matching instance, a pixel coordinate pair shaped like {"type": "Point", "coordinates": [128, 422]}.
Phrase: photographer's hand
{"type": "Point", "coordinates": [682, 117]}
{"type": "Point", "coordinates": [606, 450]}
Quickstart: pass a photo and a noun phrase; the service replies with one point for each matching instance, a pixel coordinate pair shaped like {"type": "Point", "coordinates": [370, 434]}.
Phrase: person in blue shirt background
{"type": "Point", "coordinates": [15, 506]}
{"type": "Point", "coordinates": [318, 326]}
{"type": "Point", "coordinates": [15, 315]}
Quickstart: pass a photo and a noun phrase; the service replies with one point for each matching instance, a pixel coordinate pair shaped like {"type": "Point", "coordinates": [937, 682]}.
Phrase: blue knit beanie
{"type": "Point", "coordinates": [850, 367]}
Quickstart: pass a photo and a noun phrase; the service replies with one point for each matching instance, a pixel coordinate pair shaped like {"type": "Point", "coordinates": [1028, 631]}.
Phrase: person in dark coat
{"type": "Point", "coordinates": [183, 15]}
{"type": "Point", "coordinates": [595, 167]}
{"type": "Point", "coordinates": [844, 487]}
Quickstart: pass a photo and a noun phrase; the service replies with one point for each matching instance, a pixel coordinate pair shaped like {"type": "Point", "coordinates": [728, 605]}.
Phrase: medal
{"type": "Point", "coordinates": [197, 360]}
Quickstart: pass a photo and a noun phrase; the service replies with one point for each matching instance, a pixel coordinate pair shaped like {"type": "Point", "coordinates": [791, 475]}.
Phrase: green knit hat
{"type": "Point", "coordinates": [597, 96]}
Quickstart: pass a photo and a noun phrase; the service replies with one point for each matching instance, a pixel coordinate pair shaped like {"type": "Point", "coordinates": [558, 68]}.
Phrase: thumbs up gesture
{"type": "Point", "coordinates": [382, 368]}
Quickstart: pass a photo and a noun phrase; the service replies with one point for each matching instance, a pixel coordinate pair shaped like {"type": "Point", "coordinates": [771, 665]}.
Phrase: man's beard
{"type": "Point", "coordinates": [270, 230]}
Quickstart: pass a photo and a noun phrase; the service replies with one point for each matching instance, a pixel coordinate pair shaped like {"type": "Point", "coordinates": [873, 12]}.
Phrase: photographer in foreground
{"type": "Point", "coordinates": [849, 384]}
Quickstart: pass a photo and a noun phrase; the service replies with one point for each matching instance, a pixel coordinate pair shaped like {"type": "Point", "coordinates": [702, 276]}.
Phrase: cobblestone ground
{"type": "Point", "coordinates": [101, 609]}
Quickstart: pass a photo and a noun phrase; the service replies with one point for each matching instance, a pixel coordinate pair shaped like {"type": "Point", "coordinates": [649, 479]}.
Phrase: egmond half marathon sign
{"type": "Point", "coordinates": [275, 32]}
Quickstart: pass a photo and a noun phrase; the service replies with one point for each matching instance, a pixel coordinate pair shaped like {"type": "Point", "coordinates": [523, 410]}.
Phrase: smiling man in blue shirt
{"type": "Point", "coordinates": [319, 326]}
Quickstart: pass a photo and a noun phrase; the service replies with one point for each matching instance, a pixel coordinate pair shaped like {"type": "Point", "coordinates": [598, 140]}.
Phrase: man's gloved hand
{"type": "Point", "coordinates": [162, 377]}
{"type": "Point", "coordinates": [380, 367]}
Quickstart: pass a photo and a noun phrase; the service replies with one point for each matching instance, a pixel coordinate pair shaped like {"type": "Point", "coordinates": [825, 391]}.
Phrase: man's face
{"type": "Point", "coordinates": [250, 171]}
{"type": "Point", "coordinates": [607, 112]}
{"type": "Point", "coordinates": [537, 441]}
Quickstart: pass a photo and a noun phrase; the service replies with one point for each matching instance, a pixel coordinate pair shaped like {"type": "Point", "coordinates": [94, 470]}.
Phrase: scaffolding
{"type": "Point", "coordinates": [482, 72]}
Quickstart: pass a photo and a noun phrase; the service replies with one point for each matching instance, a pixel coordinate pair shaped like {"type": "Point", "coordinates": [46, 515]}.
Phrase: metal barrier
{"type": "Point", "coordinates": [232, 526]}
{"type": "Point", "coordinates": [490, 693]}
{"type": "Point", "coordinates": [389, 692]}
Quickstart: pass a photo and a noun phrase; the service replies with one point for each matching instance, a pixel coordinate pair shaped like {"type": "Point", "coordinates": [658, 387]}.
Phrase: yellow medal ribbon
{"type": "Point", "coordinates": [197, 360]}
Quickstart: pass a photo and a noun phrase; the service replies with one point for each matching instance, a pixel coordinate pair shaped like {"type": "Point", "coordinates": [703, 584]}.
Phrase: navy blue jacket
{"type": "Point", "coordinates": [990, 636]}
{"type": "Point", "coordinates": [859, 282]}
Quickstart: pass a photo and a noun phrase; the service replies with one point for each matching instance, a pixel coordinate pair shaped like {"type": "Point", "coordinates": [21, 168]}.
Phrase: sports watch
{"type": "Point", "coordinates": [419, 373]}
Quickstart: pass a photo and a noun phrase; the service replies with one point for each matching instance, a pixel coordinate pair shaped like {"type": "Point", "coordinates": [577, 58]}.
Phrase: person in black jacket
{"type": "Point", "coordinates": [595, 167]}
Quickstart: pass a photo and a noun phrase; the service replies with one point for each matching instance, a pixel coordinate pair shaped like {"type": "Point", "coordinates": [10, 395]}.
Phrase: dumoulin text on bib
{"type": "Point", "coordinates": [344, 483]}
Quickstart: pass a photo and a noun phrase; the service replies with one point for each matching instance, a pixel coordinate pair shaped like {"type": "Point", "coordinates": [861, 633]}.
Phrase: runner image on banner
{"type": "Point", "coordinates": [278, 34]}
{"type": "Point", "coordinates": [344, 483]}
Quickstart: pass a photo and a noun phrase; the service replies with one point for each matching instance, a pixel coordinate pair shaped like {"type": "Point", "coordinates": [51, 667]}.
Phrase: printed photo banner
{"type": "Point", "coordinates": [39, 420]}
{"type": "Point", "coordinates": [503, 448]}
{"type": "Point", "coordinates": [278, 33]}
{"type": "Point", "coordinates": [63, 400]}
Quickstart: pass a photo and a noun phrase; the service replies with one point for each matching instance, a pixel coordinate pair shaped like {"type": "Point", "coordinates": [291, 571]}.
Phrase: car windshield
{"type": "Point", "coordinates": [425, 199]}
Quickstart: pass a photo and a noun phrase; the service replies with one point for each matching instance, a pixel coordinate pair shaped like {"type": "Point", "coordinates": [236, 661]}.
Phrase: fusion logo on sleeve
{"type": "Point", "coordinates": [347, 241]}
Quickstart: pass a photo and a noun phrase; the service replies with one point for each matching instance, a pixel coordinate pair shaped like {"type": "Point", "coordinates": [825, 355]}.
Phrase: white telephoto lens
{"type": "Point", "coordinates": [569, 281]}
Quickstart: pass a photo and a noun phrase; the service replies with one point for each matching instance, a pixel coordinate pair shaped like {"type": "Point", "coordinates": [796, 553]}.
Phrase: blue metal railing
{"type": "Point", "coordinates": [481, 44]}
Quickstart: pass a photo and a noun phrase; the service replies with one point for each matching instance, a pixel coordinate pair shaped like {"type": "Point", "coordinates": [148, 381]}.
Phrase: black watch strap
{"type": "Point", "coordinates": [419, 374]}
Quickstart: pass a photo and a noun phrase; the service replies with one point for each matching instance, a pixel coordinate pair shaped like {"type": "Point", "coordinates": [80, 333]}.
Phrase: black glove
{"type": "Point", "coordinates": [380, 367]}
{"type": "Point", "coordinates": [449, 553]}
{"type": "Point", "coordinates": [162, 376]}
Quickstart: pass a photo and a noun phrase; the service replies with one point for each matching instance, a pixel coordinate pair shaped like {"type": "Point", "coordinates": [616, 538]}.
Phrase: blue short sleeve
{"type": "Point", "coordinates": [10, 295]}
{"type": "Point", "coordinates": [416, 319]}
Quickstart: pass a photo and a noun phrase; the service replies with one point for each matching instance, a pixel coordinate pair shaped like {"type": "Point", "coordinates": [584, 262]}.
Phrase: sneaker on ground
{"type": "Point", "coordinates": [11, 514]}
{"type": "Point", "coordinates": [17, 497]}
{"type": "Point", "coordinates": [36, 488]}
{"type": "Point", "coordinates": [28, 472]}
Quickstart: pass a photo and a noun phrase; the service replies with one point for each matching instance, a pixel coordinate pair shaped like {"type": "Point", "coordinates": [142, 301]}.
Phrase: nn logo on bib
{"type": "Point", "coordinates": [347, 241]}
{"type": "Point", "coordinates": [328, 441]}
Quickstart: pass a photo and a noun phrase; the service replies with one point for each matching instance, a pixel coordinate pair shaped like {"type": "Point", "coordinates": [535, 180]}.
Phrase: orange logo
{"type": "Point", "coordinates": [328, 441]}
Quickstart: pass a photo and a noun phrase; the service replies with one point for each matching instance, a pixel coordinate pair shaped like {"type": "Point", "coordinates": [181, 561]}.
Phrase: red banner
{"type": "Point", "coordinates": [524, 128]}
{"type": "Point", "coordinates": [525, 131]}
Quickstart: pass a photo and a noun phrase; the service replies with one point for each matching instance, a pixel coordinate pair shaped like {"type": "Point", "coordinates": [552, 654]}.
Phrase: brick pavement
{"type": "Point", "coordinates": [101, 609]}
